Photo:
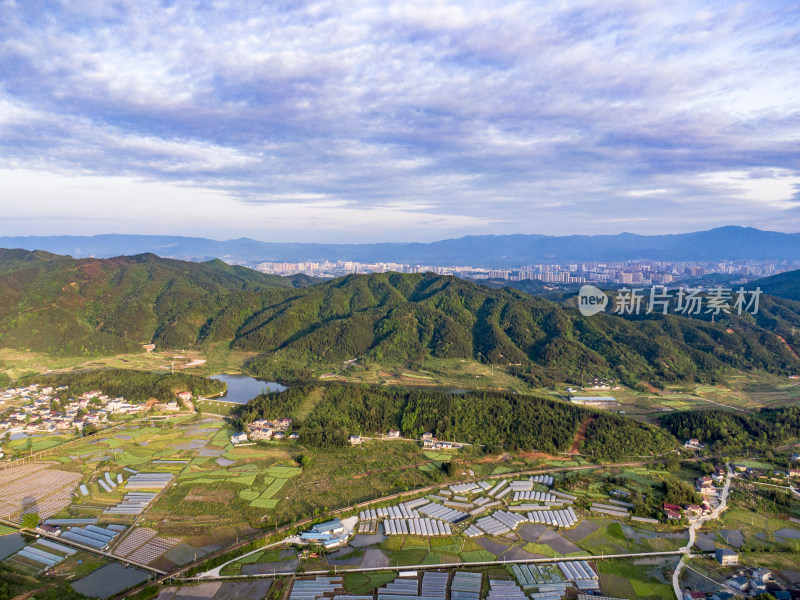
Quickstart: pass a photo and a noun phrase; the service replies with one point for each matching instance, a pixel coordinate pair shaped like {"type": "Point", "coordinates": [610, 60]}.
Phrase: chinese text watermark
{"type": "Point", "coordinates": [659, 299]}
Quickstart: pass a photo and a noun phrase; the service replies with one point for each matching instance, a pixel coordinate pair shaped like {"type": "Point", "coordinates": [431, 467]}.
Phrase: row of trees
{"type": "Point", "coordinates": [727, 431]}
{"type": "Point", "coordinates": [134, 386]}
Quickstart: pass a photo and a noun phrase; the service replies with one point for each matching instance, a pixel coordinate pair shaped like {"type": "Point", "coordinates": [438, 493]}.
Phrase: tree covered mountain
{"type": "Point", "coordinates": [393, 317]}
{"type": "Point", "coordinates": [68, 306]}
{"type": "Point", "coordinates": [785, 285]}
{"type": "Point", "coordinates": [71, 306]}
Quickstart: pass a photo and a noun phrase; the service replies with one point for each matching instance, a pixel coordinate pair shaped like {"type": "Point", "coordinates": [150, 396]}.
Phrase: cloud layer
{"type": "Point", "coordinates": [370, 121]}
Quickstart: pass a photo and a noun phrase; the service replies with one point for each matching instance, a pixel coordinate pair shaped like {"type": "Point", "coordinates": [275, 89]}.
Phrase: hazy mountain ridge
{"type": "Point", "coordinates": [724, 243]}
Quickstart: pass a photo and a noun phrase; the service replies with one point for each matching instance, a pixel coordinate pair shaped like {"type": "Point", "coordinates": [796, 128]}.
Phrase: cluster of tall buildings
{"type": "Point", "coordinates": [627, 272]}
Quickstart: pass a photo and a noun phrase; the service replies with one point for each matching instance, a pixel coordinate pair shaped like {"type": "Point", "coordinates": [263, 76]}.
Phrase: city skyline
{"type": "Point", "coordinates": [399, 122]}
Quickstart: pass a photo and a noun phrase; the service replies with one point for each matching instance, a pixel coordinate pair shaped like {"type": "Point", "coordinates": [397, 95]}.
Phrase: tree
{"type": "Point", "coordinates": [31, 520]}
{"type": "Point", "coordinates": [672, 463]}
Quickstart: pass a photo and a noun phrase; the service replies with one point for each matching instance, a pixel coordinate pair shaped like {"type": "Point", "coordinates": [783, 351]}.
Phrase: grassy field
{"type": "Point", "coordinates": [614, 538]}
{"type": "Point", "coordinates": [363, 583]}
{"type": "Point", "coordinates": [216, 407]}
{"type": "Point", "coordinates": [757, 529]}
{"type": "Point", "coordinates": [412, 550]}
{"type": "Point", "coordinates": [623, 579]}
{"type": "Point", "coordinates": [219, 359]}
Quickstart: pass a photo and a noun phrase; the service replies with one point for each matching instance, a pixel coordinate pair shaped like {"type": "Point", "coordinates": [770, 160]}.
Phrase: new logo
{"type": "Point", "coordinates": [591, 300]}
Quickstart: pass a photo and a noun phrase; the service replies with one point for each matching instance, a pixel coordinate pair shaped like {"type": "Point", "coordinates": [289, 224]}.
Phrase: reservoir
{"type": "Point", "coordinates": [243, 388]}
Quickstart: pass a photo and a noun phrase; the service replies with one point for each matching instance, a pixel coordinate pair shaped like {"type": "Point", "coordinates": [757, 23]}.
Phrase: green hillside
{"type": "Point", "coordinates": [499, 421]}
{"type": "Point", "coordinates": [723, 430]}
{"type": "Point", "coordinates": [61, 305]}
{"type": "Point", "coordinates": [784, 285]}
{"type": "Point", "coordinates": [404, 318]}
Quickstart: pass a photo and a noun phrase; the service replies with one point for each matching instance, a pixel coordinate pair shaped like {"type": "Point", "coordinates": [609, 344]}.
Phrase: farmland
{"type": "Point", "coordinates": [644, 581]}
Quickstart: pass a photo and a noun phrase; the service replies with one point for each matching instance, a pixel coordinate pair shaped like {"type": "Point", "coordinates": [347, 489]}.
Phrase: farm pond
{"type": "Point", "coordinates": [243, 388]}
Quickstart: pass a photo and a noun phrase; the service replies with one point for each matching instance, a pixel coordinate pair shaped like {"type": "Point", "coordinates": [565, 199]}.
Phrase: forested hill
{"type": "Point", "coordinates": [63, 305]}
{"type": "Point", "coordinates": [500, 421]}
{"type": "Point", "coordinates": [784, 285]}
{"type": "Point", "coordinates": [727, 431]}
{"type": "Point", "coordinates": [392, 317]}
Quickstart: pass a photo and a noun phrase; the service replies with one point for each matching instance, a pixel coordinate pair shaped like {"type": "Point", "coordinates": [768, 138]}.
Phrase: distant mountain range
{"type": "Point", "coordinates": [724, 243]}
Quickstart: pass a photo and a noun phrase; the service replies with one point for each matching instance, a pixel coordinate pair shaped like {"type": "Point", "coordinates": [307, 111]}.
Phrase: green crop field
{"type": "Point", "coordinates": [363, 583]}
{"type": "Point", "coordinates": [623, 579]}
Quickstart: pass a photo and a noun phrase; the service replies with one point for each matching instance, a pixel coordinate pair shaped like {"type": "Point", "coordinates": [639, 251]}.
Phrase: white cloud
{"type": "Point", "coordinates": [130, 205]}
{"type": "Point", "coordinates": [765, 188]}
{"type": "Point", "coordinates": [527, 112]}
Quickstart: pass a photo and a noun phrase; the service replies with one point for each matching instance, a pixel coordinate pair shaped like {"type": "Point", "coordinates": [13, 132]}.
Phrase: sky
{"type": "Point", "coordinates": [367, 121]}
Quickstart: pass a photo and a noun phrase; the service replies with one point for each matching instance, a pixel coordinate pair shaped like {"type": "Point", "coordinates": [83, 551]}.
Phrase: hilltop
{"type": "Point", "coordinates": [784, 285]}
{"type": "Point", "coordinates": [104, 306]}
{"type": "Point", "coordinates": [69, 306]}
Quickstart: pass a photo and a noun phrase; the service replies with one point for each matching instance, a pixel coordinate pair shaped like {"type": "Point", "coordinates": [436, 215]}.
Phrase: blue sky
{"type": "Point", "coordinates": [381, 121]}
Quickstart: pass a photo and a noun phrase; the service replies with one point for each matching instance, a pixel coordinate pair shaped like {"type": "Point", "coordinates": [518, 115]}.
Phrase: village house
{"type": "Point", "coordinates": [739, 583]}
{"type": "Point", "coordinates": [354, 440]}
{"type": "Point", "coordinates": [238, 438]}
{"type": "Point", "coordinates": [761, 574]}
{"type": "Point", "coordinates": [726, 557]}
{"type": "Point", "coordinates": [672, 511]}
{"type": "Point", "coordinates": [693, 510]}
{"type": "Point", "coordinates": [260, 433]}
{"type": "Point", "coordinates": [705, 485]}
{"type": "Point", "coordinates": [393, 433]}
{"type": "Point", "coordinates": [693, 444]}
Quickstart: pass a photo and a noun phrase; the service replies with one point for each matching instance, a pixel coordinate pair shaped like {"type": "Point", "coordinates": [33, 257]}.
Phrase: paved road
{"type": "Point", "coordinates": [780, 487]}
{"type": "Point", "coordinates": [723, 504]}
{"type": "Point", "coordinates": [588, 557]}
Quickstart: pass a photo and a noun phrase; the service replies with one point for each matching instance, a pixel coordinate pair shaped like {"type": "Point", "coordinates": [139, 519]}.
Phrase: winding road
{"type": "Point", "coordinates": [723, 504]}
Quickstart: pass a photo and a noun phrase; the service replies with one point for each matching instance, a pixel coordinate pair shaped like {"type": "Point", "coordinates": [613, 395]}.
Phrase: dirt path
{"type": "Point", "coordinates": [309, 402]}
{"type": "Point", "coordinates": [580, 435]}
{"type": "Point", "coordinates": [788, 347]}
